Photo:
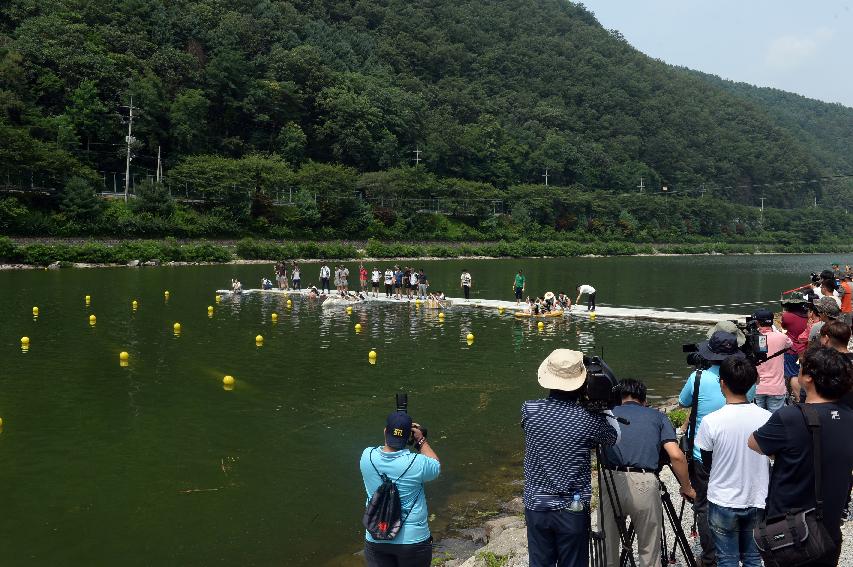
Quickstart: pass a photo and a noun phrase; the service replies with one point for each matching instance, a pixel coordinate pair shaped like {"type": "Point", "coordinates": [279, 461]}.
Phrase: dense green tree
{"type": "Point", "coordinates": [79, 202]}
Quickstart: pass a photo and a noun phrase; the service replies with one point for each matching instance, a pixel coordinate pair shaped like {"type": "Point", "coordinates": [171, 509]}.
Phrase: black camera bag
{"type": "Point", "coordinates": [687, 441]}
{"type": "Point", "coordinates": [799, 536]}
{"type": "Point", "coordinates": [383, 516]}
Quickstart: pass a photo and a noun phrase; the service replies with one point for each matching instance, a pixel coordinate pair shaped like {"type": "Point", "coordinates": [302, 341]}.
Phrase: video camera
{"type": "Point", "coordinates": [755, 346]}
{"type": "Point", "coordinates": [600, 391]}
{"type": "Point", "coordinates": [402, 402]}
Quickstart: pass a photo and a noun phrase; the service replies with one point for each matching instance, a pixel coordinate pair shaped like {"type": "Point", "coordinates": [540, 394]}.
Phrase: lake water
{"type": "Point", "coordinates": [156, 464]}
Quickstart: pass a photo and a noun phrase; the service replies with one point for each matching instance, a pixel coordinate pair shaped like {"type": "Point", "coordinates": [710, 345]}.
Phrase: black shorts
{"type": "Point", "coordinates": [518, 292]}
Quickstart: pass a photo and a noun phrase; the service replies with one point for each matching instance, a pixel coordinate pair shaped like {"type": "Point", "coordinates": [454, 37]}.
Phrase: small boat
{"type": "Point", "coordinates": [521, 315]}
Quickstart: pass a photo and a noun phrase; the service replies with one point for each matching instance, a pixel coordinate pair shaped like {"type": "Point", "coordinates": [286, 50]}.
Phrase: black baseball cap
{"type": "Point", "coordinates": [763, 316]}
{"type": "Point", "coordinates": [398, 429]}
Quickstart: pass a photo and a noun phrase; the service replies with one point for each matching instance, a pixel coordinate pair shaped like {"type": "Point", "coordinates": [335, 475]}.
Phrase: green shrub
{"type": "Point", "coordinates": [8, 250]}
{"type": "Point", "coordinates": [677, 417]}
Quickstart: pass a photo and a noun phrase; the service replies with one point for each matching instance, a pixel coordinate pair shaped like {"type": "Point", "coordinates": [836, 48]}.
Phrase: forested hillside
{"type": "Point", "coordinates": [320, 104]}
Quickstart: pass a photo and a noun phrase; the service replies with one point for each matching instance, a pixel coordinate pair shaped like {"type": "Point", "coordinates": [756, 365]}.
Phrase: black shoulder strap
{"type": "Point", "coordinates": [813, 423]}
{"type": "Point", "coordinates": [694, 407]}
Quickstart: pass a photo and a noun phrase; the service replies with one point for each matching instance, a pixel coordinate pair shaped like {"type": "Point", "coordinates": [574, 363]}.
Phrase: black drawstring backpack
{"type": "Point", "coordinates": [383, 516]}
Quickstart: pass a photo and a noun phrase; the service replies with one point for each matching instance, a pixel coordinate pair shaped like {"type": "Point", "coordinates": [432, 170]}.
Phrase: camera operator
{"type": "Point", "coordinates": [771, 390]}
{"type": "Point", "coordinates": [710, 398]}
{"type": "Point", "coordinates": [559, 433]}
{"type": "Point", "coordinates": [634, 461]}
{"type": "Point", "coordinates": [412, 547]}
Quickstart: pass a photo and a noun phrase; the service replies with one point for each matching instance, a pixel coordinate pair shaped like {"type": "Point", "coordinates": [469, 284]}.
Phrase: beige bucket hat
{"type": "Point", "coordinates": [562, 370]}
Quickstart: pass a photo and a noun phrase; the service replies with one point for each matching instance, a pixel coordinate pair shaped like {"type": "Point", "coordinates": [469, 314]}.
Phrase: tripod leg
{"type": "Point", "coordinates": [675, 522]}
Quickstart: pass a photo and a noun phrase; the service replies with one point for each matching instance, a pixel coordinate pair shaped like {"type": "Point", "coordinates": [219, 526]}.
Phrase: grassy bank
{"type": "Point", "coordinates": [170, 250]}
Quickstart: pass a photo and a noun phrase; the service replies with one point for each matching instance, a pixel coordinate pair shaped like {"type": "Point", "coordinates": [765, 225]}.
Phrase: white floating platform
{"type": "Point", "coordinates": [601, 312]}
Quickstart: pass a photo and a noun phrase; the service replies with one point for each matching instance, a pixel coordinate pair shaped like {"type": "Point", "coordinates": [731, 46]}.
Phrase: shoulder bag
{"type": "Point", "coordinates": [798, 536]}
{"type": "Point", "coordinates": [687, 441]}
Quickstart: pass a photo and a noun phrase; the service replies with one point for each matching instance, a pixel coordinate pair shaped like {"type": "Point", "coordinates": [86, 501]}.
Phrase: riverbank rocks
{"type": "Point", "coordinates": [155, 262]}
{"type": "Point", "coordinates": [507, 542]}
{"type": "Point", "coordinates": [54, 266]}
{"type": "Point", "coordinates": [133, 264]}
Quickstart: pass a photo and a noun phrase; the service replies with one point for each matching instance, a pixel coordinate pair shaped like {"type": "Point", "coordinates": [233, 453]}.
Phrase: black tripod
{"type": "Point", "coordinates": [627, 533]}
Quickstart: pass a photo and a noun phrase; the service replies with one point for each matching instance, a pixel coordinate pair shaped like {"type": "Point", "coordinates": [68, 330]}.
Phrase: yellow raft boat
{"type": "Point", "coordinates": [521, 314]}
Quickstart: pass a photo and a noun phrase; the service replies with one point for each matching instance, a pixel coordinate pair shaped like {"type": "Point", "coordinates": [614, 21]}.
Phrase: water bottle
{"type": "Point", "coordinates": [576, 505]}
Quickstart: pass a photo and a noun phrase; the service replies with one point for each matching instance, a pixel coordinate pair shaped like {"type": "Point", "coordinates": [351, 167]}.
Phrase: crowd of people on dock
{"type": "Point", "coordinates": [765, 455]}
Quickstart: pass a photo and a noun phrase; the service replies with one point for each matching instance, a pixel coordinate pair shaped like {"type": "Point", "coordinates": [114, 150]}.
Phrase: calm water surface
{"type": "Point", "coordinates": [156, 464]}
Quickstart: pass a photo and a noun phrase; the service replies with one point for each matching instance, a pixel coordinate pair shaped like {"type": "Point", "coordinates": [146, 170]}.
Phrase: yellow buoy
{"type": "Point", "coordinates": [134, 304]}
{"type": "Point", "coordinates": [274, 317]}
{"type": "Point", "coordinates": [218, 298]}
{"type": "Point", "coordinates": [92, 319]}
{"type": "Point", "coordinates": [540, 325]}
{"type": "Point", "coordinates": [469, 337]}
{"type": "Point", "coordinates": [1, 422]}
{"type": "Point", "coordinates": [166, 293]}
{"type": "Point", "coordinates": [35, 311]}
{"type": "Point", "coordinates": [371, 355]}
{"type": "Point", "coordinates": [210, 309]}
{"type": "Point", "coordinates": [88, 299]}
{"type": "Point", "coordinates": [592, 316]}
{"type": "Point", "coordinates": [371, 361]}
{"type": "Point", "coordinates": [500, 310]}
{"type": "Point", "coordinates": [417, 303]}
{"type": "Point", "coordinates": [349, 310]}
{"type": "Point", "coordinates": [289, 303]}
{"type": "Point", "coordinates": [259, 340]}
{"type": "Point", "coordinates": [177, 328]}
{"type": "Point", "coordinates": [228, 380]}
{"type": "Point", "coordinates": [123, 356]}
{"type": "Point", "coordinates": [25, 341]}
{"type": "Point", "coordinates": [441, 316]}
{"type": "Point", "coordinates": [358, 327]}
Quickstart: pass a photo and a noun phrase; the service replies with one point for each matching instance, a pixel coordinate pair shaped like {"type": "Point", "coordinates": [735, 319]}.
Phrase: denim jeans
{"type": "Point", "coordinates": [731, 529]}
{"type": "Point", "coordinates": [770, 403]}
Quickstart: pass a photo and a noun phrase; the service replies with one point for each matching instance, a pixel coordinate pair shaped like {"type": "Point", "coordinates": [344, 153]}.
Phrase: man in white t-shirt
{"type": "Point", "coordinates": [737, 488]}
{"type": "Point", "coordinates": [375, 276]}
{"type": "Point", "coordinates": [389, 282]}
{"type": "Point", "coordinates": [590, 296]}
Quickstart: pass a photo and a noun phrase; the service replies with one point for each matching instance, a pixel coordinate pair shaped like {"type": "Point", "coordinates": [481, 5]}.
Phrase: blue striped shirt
{"type": "Point", "coordinates": [558, 437]}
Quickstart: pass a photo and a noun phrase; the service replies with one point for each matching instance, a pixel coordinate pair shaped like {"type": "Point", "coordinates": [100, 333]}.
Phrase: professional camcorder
{"type": "Point", "coordinates": [599, 392]}
{"type": "Point", "coordinates": [402, 401]}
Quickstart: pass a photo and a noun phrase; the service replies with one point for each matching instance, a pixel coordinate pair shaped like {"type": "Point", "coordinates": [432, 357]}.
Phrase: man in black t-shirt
{"type": "Point", "coordinates": [826, 375]}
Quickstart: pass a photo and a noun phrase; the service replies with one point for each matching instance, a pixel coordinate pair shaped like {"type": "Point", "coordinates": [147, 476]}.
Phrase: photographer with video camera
{"type": "Point", "coordinates": [635, 462]}
{"type": "Point", "coordinates": [702, 394]}
{"type": "Point", "coordinates": [559, 432]}
{"type": "Point", "coordinates": [396, 513]}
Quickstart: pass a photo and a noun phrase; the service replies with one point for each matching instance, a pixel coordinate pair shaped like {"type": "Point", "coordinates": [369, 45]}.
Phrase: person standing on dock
{"type": "Point", "coordinates": [398, 282]}
{"type": "Point", "coordinates": [519, 285]}
{"type": "Point", "coordinates": [389, 282]}
{"type": "Point", "coordinates": [590, 296]}
{"type": "Point", "coordinates": [325, 273]}
{"type": "Point", "coordinates": [362, 278]}
{"type": "Point", "coordinates": [344, 279]}
{"type": "Point", "coordinates": [296, 277]}
{"type": "Point", "coordinates": [423, 284]}
{"type": "Point", "coordinates": [413, 283]}
{"type": "Point", "coordinates": [375, 276]}
{"type": "Point", "coordinates": [466, 284]}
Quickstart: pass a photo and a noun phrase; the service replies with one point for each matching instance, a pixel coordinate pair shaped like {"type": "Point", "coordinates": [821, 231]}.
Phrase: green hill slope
{"type": "Point", "coordinates": [490, 91]}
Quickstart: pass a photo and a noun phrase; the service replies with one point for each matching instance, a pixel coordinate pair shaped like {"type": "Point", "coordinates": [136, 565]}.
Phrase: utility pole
{"type": "Point", "coordinates": [815, 201]}
{"type": "Point", "coordinates": [642, 185]}
{"type": "Point", "coordinates": [545, 175]}
{"type": "Point", "coordinates": [702, 191]}
{"type": "Point", "coordinates": [417, 158]}
{"type": "Point", "coordinates": [129, 141]}
{"type": "Point", "coordinates": [762, 204]}
{"type": "Point", "coordinates": [159, 166]}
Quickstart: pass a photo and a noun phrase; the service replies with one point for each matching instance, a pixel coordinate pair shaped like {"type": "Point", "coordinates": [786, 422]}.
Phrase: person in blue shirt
{"type": "Point", "coordinates": [412, 547]}
{"type": "Point", "coordinates": [717, 348]}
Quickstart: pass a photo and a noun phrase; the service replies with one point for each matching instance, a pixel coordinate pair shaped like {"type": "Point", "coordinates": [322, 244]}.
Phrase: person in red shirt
{"type": "Point", "coordinates": [362, 277]}
{"type": "Point", "coordinates": [847, 299]}
{"type": "Point", "coordinates": [794, 321]}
